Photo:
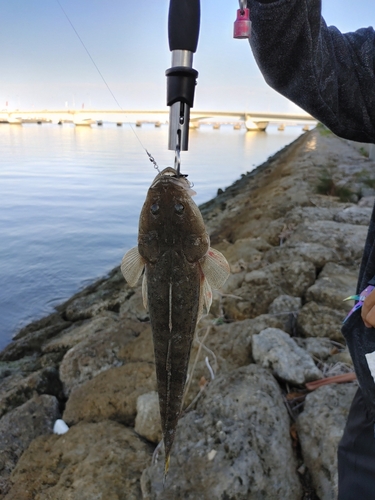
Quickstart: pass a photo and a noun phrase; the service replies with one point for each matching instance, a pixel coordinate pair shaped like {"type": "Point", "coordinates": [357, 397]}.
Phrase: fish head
{"type": "Point", "coordinates": [170, 220]}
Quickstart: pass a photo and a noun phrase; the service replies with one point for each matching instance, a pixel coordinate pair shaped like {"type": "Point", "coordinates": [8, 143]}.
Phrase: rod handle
{"type": "Point", "coordinates": [183, 24]}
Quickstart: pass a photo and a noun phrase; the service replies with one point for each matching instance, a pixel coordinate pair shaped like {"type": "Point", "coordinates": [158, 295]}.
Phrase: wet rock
{"type": "Point", "coordinates": [50, 320]}
{"type": "Point", "coordinates": [97, 460]}
{"type": "Point", "coordinates": [320, 427]}
{"type": "Point", "coordinates": [32, 342]}
{"type": "Point", "coordinates": [19, 427]}
{"type": "Point", "coordinates": [78, 332]}
{"type": "Point", "coordinates": [111, 395]}
{"type": "Point", "coordinates": [147, 421]}
{"type": "Point", "coordinates": [17, 389]}
{"type": "Point", "coordinates": [334, 284]}
{"type": "Point", "coordinates": [101, 351]}
{"type": "Point", "coordinates": [315, 320]}
{"type": "Point", "coordinates": [234, 445]}
{"type": "Point", "coordinates": [106, 295]}
{"type": "Point", "coordinates": [275, 349]}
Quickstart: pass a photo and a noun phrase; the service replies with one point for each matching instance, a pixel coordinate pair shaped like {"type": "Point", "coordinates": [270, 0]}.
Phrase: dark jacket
{"type": "Point", "coordinates": [332, 76]}
{"type": "Point", "coordinates": [329, 74]}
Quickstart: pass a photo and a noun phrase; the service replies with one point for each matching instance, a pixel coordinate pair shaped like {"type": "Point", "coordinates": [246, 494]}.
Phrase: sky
{"type": "Point", "coordinates": [44, 66]}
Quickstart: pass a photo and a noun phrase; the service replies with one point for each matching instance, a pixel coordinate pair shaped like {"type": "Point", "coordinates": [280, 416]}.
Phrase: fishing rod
{"type": "Point", "coordinates": [183, 33]}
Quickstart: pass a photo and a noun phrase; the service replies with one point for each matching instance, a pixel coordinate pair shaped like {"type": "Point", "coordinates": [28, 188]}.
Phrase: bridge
{"type": "Point", "coordinates": [251, 120]}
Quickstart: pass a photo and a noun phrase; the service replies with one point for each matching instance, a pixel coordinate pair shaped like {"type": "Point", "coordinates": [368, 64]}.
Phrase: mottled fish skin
{"type": "Point", "coordinates": [172, 247]}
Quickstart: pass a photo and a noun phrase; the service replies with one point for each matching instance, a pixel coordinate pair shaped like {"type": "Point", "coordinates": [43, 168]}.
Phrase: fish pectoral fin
{"type": "Point", "coordinates": [132, 266]}
{"type": "Point", "coordinates": [144, 291]}
{"type": "Point", "coordinates": [205, 297]}
{"type": "Point", "coordinates": [215, 268]}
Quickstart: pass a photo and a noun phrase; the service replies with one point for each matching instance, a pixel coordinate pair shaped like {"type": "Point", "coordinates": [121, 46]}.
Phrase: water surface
{"type": "Point", "coordinates": [70, 199]}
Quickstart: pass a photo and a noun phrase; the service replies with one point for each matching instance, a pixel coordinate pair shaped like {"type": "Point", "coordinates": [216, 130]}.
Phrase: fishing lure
{"type": "Point", "coordinates": [360, 298]}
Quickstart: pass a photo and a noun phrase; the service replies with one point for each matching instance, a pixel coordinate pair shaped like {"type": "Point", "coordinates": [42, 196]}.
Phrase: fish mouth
{"type": "Point", "coordinates": [169, 175]}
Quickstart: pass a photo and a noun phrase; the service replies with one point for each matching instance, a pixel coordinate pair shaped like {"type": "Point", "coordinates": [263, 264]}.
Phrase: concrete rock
{"type": "Point", "coordinates": [354, 215]}
{"type": "Point", "coordinates": [261, 287]}
{"type": "Point", "coordinates": [17, 389]}
{"type": "Point", "coordinates": [286, 307]}
{"type": "Point", "coordinates": [19, 427]}
{"type": "Point", "coordinates": [234, 445]}
{"type": "Point", "coordinates": [347, 240]}
{"type": "Point", "coordinates": [334, 284]}
{"type": "Point", "coordinates": [316, 253]}
{"type": "Point", "coordinates": [101, 351]}
{"type": "Point", "coordinates": [275, 349]}
{"type": "Point", "coordinates": [105, 295]}
{"type": "Point", "coordinates": [133, 308]}
{"type": "Point", "coordinates": [320, 427]}
{"type": "Point", "coordinates": [91, 461]}
{"type": "Point", "coordinates": [320, 348]}
{"type": "Point", "coordinates": [229, 347]}
{"type": "Point", "coordinates": [111, 395]}
{"type": "Point", "coordinates": [32, 342]}
{"type": "Point", "coordinates": [76, 333]}
{"type": "Point", "coordinates": [147, 421]}
{"type": "Point", "coordinates": [316, 320]}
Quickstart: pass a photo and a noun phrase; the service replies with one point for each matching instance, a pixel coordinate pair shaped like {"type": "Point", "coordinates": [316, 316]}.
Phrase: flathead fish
{"type": "Point", "coordinates": [180, 272]}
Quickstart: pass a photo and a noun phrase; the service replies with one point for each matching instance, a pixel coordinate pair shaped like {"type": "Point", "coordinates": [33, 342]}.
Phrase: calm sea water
{"type": "Point", "coordinates": [70, 199]}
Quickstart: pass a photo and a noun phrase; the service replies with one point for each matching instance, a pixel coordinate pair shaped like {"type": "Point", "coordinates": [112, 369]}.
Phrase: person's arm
{"type": "Point", "coordinates": [329, 74]}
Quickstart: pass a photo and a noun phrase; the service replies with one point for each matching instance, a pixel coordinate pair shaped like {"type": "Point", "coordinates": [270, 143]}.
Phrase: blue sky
{"type": "Point", "coordinates": [43, 65]}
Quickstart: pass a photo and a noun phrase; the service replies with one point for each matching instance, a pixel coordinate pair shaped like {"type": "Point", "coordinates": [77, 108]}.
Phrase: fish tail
{"type": "Point", "coordinates": [166, 468]}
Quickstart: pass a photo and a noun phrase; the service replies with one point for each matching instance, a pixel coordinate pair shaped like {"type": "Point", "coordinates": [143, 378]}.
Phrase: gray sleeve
{"type": "Point", "coordinates": [329, 74]}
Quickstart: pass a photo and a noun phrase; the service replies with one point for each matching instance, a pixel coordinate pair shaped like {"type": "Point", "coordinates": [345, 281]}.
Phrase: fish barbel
{"type": "Point", "coordinates": [180, 271]}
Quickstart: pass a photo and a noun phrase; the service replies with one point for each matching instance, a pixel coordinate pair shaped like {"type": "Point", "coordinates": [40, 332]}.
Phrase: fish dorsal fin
{"type": "Point", "coordinates": [132, 266]}
{"type": "Point", "coordinates": [215, 268]}
{"type": "Point", "coordinates": [144, 291]}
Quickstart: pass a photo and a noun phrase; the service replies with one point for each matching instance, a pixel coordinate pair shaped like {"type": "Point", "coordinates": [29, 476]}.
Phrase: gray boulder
{"type": "Point", "coordinates": [320, 427]}
{"type": "Point", "coordinates": [275, 349]}
{"type": "Point", "coordinates": [19, 427]}
{"type": "Point", "coordinates": [147, 421]}
{"type": "Point", "coordinates": [316, 320]}
{"type": "Point", "coordinates": [234, 445]}
{"type": "Point", "coordinates": [91, 461]}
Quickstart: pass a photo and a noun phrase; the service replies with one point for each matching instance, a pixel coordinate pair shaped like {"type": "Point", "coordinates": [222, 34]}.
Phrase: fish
{"type": "Point", "coordinates": [180, 269]}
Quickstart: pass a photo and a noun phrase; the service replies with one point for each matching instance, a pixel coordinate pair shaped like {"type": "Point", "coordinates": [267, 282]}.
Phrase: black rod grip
{"type": "Point", "coordinates": [183, 24]}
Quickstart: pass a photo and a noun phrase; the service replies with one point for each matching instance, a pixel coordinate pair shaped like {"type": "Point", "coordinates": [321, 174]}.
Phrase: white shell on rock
{"type": "Point", "coordinates": [60, 427]}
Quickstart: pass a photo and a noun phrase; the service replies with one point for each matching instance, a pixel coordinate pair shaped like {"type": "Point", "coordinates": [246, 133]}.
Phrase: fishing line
{"type": "Point", "coordinates": [150, 157]}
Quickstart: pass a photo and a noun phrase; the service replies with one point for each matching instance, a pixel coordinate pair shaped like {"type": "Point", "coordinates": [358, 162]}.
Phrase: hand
{"type": "Point", "coordinates": [368, 310]}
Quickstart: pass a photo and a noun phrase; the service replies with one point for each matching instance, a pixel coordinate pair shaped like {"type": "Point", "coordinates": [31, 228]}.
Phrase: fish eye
{"type": "Point", "coordinates": [179, 208]}
{"type": "Point", "coordinates": [155, 209]}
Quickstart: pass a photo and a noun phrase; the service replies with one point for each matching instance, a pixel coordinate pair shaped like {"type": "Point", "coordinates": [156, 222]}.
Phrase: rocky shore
{"type": "Point", "coordinates": [293, 231]}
